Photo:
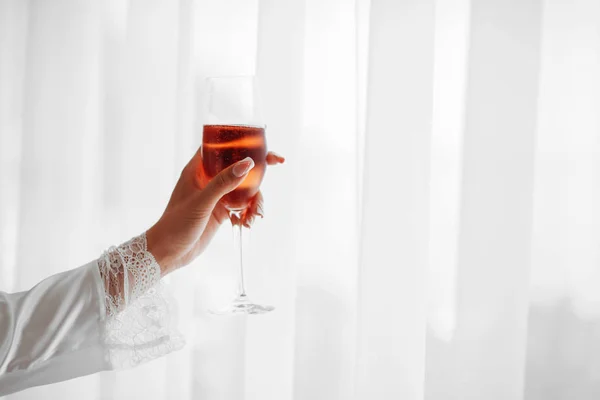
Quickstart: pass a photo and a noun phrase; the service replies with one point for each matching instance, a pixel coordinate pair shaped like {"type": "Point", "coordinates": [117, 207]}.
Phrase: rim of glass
{"type": "Point", "coordinates": [264, 126]}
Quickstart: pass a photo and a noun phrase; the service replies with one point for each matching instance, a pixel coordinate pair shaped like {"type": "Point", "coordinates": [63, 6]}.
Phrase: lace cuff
{"type": "Point", "coordinates": [140, 324]}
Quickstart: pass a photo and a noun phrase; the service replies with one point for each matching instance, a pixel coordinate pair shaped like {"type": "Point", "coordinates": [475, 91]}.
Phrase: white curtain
{"type": "Point", "coordinates": [435, 233]}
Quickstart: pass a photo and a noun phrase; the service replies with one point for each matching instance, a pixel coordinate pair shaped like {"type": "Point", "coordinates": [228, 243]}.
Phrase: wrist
{"type": "Point", "coordinates": [156, 247]}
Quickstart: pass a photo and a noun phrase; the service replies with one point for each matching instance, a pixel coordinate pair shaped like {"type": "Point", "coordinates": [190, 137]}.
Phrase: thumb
{"type": "Point", "coordinates": [226, 181]}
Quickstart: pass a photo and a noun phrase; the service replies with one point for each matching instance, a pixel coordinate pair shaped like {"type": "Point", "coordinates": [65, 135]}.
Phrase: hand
{"type": "Point", "coordinates": [194, 212]}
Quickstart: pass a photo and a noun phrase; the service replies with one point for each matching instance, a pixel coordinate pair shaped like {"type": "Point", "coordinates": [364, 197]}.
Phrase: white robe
{"type": "Point", "coordinates": [60, 329]}
{"type": "Point", "coordinates": [54, 331]}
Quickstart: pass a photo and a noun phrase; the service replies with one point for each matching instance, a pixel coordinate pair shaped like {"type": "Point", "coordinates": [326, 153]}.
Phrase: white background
{"type": "Point", "coordinates": [434, 234]}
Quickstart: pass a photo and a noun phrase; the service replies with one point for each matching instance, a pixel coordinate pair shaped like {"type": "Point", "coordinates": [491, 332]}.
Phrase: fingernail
{"type": "Point", "coordinates": [242, 167]}
{"type": "Point", "coordinates": [279, 157]}
{"type": "Point", "coordinates": [260, 211]}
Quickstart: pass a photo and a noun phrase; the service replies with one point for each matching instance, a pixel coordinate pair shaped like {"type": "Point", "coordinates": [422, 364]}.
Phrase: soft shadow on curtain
{"type": "Point", "coordinates": [432, 236]}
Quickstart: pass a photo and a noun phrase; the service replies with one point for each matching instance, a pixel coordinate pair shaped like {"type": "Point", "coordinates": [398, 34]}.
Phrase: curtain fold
{"type": "Point", "coordinates": [433, 234]}
{"type": "Point", "coordinates": [496, 207]}
{"type": "Point", "coordinates": [13, 44]}
{"type": "Point", "coordinates": [564, 315]}
{"type": "Point", "coordinates": [391, 280]}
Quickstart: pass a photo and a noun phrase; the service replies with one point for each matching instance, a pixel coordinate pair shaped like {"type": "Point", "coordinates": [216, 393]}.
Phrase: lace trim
{"type": "Point", "coordinates": [140, 324]}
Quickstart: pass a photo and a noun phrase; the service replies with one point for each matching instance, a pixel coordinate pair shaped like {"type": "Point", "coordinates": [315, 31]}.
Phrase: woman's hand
{"type": "Point", "coordinates": [194, 212]}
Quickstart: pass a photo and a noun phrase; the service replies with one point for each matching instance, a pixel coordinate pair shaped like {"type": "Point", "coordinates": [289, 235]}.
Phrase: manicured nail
{"type": "Point", "coordinates": [259, 211]}
{"type": "Point", "coordinates": [281, 159]}
{"type": "Point", "coordinates": [241, 168]}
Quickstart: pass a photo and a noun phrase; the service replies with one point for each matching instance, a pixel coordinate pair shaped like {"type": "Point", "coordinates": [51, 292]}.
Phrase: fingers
{"type": "Point", "coordinates": [256, 206]}
{"type": "Point", "coordinates": [192, 165]}
{"type": "Point", "coordinates": [235, 220]}
{"type": "Point", "coordinates": [188, 181]}
{"type": "Point", "coordinates": [274, 158]}
{"type": "Point", "coordinates": [220, 214]}
{"type": "Point", "coordinates": [225, 181]}
{"type": "Point", "coordinates": [255, 209]}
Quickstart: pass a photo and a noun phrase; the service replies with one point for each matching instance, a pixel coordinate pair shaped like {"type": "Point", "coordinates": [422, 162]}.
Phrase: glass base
{"type": "Point", "coordinates": [243, 305]}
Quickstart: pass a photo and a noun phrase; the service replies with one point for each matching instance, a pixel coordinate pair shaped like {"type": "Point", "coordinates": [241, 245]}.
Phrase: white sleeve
{"type": "Point", "coordinates": [111, 313]}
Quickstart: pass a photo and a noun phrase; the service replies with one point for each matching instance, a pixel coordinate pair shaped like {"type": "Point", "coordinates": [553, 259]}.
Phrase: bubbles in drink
{"type": "Point", "coordinates": [223, 145]}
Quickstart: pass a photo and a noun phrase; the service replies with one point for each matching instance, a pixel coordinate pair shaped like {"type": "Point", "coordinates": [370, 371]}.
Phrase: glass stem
{"type": "Point", "coordinates": [237, 245]}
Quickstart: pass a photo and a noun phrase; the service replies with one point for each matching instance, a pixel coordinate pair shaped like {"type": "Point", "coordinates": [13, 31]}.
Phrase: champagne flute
{"type": "Point", "coordinates": [233, 130]}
